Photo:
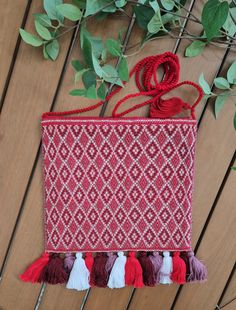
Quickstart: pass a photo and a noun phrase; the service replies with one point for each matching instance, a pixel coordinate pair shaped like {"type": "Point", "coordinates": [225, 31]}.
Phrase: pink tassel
{"type": "Point", "coordinates": [69, 262]}
{"type": "Point", "coordinates": [156, 260]}
{"type": "Point", "coordinates": [110, 261]}
{"type": "Point", "coordinates": [32, 273]}
{"type": "Point", "coordinates": [198, 271]}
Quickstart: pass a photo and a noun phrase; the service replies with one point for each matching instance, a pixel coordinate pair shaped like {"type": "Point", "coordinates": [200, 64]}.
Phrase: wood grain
{"type": "Point", "coordinates": [218, 249]}
{"type": "Point", "coordinates": [230, 292]}
{"type": "Point", "coordinates": [11, 16]}
{"type": "Point", "coordinates": [31, 90]}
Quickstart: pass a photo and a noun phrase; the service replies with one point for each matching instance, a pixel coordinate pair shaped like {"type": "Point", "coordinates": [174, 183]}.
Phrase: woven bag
{"type": "Point", "coordinates": [122, 188]}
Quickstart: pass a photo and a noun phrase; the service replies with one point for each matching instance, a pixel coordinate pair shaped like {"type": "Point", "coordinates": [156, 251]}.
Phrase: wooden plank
{"type": "Point", "coordinates": [216, 139]}
{"type": "Point", "coordinates": [230, 306]}
{"type": "Point", "coordinates": [30, 92]}
{"type": "Point", "coordinates": [210, 135]}
{"type": "Point", "coordinates": [230, 292]}
{"type": "Point", "coordinates": [219, 251]}
{"type": "Point", "coordinates": [11, 15]}
{"type": "Point", "coordinates": [104, 298]}
{"type": "Point", "coordinates": [34, 198]}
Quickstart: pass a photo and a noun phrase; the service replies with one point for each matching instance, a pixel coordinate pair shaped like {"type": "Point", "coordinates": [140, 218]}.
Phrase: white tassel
{"type": "Point", "coordinates": [79, 275]}
{"type": "Point", "coordinates": [166, 269]}
{"type": "Point", "coordinates": [117, 275]}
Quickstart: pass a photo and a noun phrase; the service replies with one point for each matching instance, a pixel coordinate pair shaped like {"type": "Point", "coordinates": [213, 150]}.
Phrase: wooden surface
{"type": "Point", "coordinates": [29, 86]}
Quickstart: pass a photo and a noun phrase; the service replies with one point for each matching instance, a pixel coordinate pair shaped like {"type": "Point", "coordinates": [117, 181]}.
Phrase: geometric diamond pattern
{"type": "Point", "coordinates": [118, 184]}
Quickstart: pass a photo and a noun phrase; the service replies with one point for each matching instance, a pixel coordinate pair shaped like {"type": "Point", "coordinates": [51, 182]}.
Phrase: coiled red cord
{"type": "Point", "coordinates": [148, 85]}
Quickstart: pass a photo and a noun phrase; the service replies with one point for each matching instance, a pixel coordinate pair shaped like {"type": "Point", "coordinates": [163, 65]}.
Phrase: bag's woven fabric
{"type": "Point", "coordinates": [118, 184]}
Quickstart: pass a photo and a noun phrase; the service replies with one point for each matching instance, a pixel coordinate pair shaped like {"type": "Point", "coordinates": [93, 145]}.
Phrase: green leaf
{"type": "Point", "coordinates": [143, 15]}
{"type": "Point", "coordinates": [221, 83]}
{"type": "Point", "coordinates": [155, 23]}
{"type": "Point", "coordinates": [97, 66]}
{"type": "Point", "coordinates": [79, 74]}
{"type": "Point", "coordinates": [229, 25]}
{"type": "Point", "coordinates": [77, 65]}
{"type": "Point", "coordinates": [204, 85]}
{"type": "Point", "coordinates": [235, 124]}
{"type": "Point", "coordinates": [43, 19]}
{"type": "Point", "coordinates": [80, 3]}
{"type": "Point", "coordinates": [89, 79]}
{"type": "Point", "coordinates": [45, 54]}
{"type": "Point", "coordinates": [113, 47]}
{"type": "Point", "coordinates": [123, 70]}
{"type": "Point", "coordinates": [69, 11]}
{"type": "Point", "coordinates": [78, 92]}
{"type": "Point", "coordinates": [120, 3]}
{"type": "Point", "coordinates": [168, 4]}
{"type": "Point", "coordinates": [101, 92]}
{"type": "Point", "coordinates": [30, 38]}
{"type": "Point", "coordinates": [220, 101]}
{"type": "Point", "coordinates": [195, 48]}
{"type": "Point", "coordinates": [52, 49]}
{"type": "Point", "coordinates": [42, 31]}
{"type": "Point", "coordinates": [87, 52]}
{"type": "Point", "coordinates": [214, 15]}
{"type": "Point", "coordinates": [154, 4]}
{"type": "Point", "coordinates": [104, 54]}
{"type": "Point", "coordinates": [93, 6]}
{"type": "Point", "coordinates": [50, 7]}
{"type": "Point", "coordinates": [110, 75]}
{"type": "Point", "coordinates": [231, 73]}
{"type": "Point", "coordinates": [233, 168]}
{"type": "Point", "coordinates": [91, 92]}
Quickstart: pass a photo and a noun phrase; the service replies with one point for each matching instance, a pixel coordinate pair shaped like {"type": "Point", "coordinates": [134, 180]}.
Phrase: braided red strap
{"type": "Point", "coordinates": [148, 85]}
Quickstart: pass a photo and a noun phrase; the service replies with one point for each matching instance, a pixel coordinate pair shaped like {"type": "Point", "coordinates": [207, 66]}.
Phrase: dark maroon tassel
{"type": "Point", "coordinates": [148, 269]}
{"type": "Point", "coordinates": [185, 257]}
{"type": "Point", "coordinates": [99, 275]}
{"type": "Point", "coordinates": [54, 272]}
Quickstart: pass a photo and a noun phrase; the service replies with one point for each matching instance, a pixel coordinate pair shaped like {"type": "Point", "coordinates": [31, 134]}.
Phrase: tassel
{"type": "Point", "coordinates": [133, 271]}
{"type": "Point", "coordinates": [99, 276]}
{"type": "Point", "coordinates": [79, 276]}
{"type": "Point", "coordinates": [110, 261]}
{"type": "Point", "coordinates": [69, 262]}
{"type": "Point", "coordinates": [156, 260]}
{"type": "Point", "coordinates": [54, 272]}
{"type": "Point", "coordinates": [184, 256]}
{"type": "Point", "coordinates": [198, 271]}
{"type": "Point", "coordinates": [148, 269]}
{"type": "Point", "coordinates": [117, 275]}
{"type": "Point", "coordinates": [34, 270]}
{"type": "Point", "coordinates": [179, 269]}
{"type": "Point", "coordinates": [89, 261]}
{"type": "Point", "coordinates": [166, 268]}
{"type": "Point", "coordinates": [165, 108]}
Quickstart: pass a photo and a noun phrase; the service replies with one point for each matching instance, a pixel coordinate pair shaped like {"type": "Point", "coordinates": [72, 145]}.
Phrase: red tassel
{"type": "Point", "coordinates": [133, 271]}
{"type": "Point", "coordinates": [54, 272]}
{"type": "Point", "coordinates": [34, 270]}
{"type": "Point", "coordinates": [165, 108]}
{"type": "Point", "coordinates": [179, 269]}
{"type": "Point", "coordinates": [99, 275]}
{"type": "Point", "coordinates": [89, 261]}
{"type": "Point", "coordinates": [148, 269]}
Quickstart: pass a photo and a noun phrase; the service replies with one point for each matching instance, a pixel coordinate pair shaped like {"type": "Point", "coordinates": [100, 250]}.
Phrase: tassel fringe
{"type": "Point", "coordinates": [115, 270]}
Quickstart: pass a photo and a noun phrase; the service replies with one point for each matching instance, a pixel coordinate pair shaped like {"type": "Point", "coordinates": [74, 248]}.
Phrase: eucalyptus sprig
{"type": "Point", "coordinates": [226, 87]}
{"type": "Point", "coordinates": [157, 19]}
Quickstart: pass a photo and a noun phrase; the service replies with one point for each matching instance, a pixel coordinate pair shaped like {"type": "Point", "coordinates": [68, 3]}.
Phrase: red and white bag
{"type": "Point", "coordinates": [117, 184]}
